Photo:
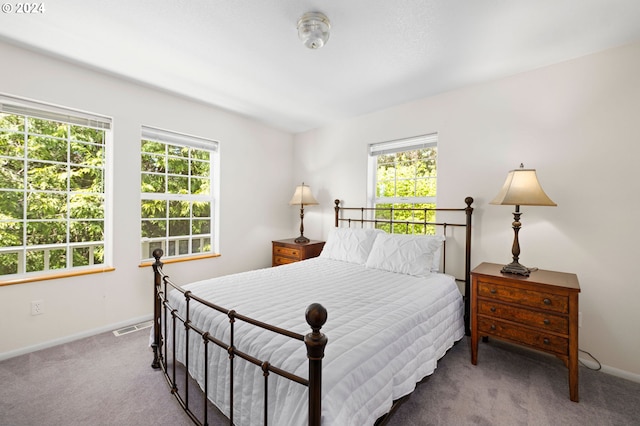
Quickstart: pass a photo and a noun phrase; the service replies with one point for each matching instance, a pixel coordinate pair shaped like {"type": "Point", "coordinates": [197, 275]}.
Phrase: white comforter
{"type": "Point", "coordinates": [386, 332]}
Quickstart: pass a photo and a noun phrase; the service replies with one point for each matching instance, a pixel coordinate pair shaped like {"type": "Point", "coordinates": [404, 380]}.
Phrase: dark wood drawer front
{"type": "Point", "coordinates": [288, 252]}
{"type": "Point", "coordinates": [534, 299]}
{"type": "Point", "coordinates": [279, 260]}
{"type": "Point", "coordinates": [541, 320]}
{"type": "Point", "coordinates": [537, 339]}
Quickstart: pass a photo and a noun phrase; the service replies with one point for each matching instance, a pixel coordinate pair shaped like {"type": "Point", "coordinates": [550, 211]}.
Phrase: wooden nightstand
{"type": "Point", "coordinates": [539, 311]}
{"type": "Point", "coordinates": [288, 251]}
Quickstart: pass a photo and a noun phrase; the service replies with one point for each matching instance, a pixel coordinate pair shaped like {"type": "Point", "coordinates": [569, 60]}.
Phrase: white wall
{"type": "Point", "coordinates": [578, 124]}
{"type": "Point", "coordinates": [256, 187]}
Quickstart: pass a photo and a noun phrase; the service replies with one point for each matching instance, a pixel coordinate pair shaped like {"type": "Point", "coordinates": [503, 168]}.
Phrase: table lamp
{"type": "Point", "coordinates": [520, 189]}
{"type": "Point", "coordinates": [302, 197]}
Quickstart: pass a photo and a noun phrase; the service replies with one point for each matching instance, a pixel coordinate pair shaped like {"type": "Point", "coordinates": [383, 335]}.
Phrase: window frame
{"type": "Point", "coordinates": [35, 110]}
{"type": "Point", "coordinates": [171, 138]}
{"type": "Point", "coordinates": [391, 147]}
{"type": "Point", "coordinates": [395, 146]}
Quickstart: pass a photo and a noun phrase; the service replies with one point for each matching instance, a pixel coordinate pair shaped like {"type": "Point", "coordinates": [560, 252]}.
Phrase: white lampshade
{"type": "Point", "coordinates": [303, 196]}
{"type": "Point", "coordinates": [522, 189]}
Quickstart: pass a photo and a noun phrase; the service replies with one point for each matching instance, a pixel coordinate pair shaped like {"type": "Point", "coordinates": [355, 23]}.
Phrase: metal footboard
{"type": "Point", "coordinates": [167, 319]}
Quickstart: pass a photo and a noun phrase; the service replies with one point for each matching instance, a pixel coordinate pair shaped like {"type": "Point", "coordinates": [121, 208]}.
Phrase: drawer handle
{"type": "Point", "coordinates": [492, 291]}
{"type": "Point", "coordinates": [547, 301]}
{"type": "Point", "coordinates": [546, 340]}
{"type": "Point", "coordinates": [546, 321]}
{"type": "Point", "coordinates": [493, 309]}
{"type": "Point", "coordinates": [493, 326]}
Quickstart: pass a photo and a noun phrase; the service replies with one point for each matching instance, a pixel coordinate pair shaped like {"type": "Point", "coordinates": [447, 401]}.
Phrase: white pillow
{"type": "Point", "coordinates": [405, 254]}
{"type": "Point", "coordinates": [349, 244]}
{"type": "Point", "coordinates": [437, 255]}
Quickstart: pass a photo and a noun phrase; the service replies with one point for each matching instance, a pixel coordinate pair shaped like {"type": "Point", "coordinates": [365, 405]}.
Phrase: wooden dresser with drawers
{"type": "Point", "coordinates": [288, 251]}
{"type": "Point", "coordinates": [539, 311]}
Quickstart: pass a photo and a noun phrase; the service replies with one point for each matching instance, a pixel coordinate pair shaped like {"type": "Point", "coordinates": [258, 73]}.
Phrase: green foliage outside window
{"type": "Point", "coordinates": [176, 206]}
{"type": "Point", "coordinates": [52, 183]}
{"type": "Point", "coordinates": [407, 180]}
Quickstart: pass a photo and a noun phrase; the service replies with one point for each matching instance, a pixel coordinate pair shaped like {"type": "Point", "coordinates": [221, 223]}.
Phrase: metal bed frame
{"type": "Point", "coordinates": [167, 319]}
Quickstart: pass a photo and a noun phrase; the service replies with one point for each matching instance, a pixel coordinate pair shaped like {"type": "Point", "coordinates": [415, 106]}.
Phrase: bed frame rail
{"type": "Point", "coordinates": [315, 341]}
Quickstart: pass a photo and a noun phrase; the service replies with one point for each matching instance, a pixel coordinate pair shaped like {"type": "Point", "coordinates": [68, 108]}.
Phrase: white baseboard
{"type": "Point", "coordinates": [589, 363]}
{"type": "Point", "coordinates": [621, 373]}
{"type": "Point", "coordinates": [71, 338]}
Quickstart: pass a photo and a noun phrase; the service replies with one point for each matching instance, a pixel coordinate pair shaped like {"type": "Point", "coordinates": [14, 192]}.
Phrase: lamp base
{"type": "Point", "coordinates": [302, 240]}
{"type": "Point", "coordinates": [518, 269]}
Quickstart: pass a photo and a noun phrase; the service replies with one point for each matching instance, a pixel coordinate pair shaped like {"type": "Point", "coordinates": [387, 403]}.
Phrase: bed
{"type": "Point", "coordinates": [381, 309]}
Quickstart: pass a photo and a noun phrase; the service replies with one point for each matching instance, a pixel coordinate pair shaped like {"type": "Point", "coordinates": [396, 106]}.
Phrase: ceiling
{"type": "Point", "coordinates": [245, 56]}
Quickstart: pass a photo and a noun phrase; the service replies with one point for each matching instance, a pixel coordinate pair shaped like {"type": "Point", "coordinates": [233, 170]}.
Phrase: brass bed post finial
{"type": "Point", "coordinates": [468, 201]}
{"type": "Point", "coordinates": [337, 209]}
{"type": "Point", "coordinates": [157, 280]}
{"type": "Point", "coordinates": [316, 341]}
{"type": "Point", "coordinates": [157, 254]}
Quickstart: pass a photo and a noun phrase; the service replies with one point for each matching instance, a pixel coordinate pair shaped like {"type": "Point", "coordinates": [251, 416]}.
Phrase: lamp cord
{"type": "Point", "coordinates": [599, 365]}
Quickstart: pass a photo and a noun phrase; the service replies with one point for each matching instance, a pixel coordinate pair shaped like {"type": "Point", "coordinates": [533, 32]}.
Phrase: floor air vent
{"type": "Point", "coordinates": [132, 328]}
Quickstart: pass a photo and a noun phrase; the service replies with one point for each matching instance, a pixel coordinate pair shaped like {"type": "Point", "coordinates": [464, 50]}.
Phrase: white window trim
{"type": "Point", "coordinates": [183, 139]}
{"type": "Point", "coordinates": [20, 106]}
{"type": "Point", "coordinates": [28, 107]}
{"type": "Point", "coordinates": [390, 147]}
{"type": "Point", "coordinates": [175, 138]}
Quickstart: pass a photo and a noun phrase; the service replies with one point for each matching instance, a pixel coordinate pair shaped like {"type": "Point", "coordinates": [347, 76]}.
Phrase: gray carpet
{"type": "Point", "coordinates": [515, 386]}
{"type": "Point", "coordinates": [107, 380]}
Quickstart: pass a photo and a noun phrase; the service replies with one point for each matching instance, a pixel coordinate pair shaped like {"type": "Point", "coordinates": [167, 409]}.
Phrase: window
{"type": "Point", "coordinates": [179, 187]}
{"type": "Point", "coordinates": [53, 188]}
{"type": "Point", "coordinates": [403, 174]}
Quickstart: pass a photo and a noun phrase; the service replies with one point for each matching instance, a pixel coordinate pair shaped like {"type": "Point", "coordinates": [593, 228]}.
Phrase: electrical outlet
{"type": "Point", "coordinates": [579, 319]}
{"type": "Point", "coordinates": [37, 307]}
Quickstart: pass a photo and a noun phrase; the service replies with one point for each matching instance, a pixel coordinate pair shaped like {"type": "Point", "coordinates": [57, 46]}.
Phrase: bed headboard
{"type": "Point", "coordinates": [422, 220]}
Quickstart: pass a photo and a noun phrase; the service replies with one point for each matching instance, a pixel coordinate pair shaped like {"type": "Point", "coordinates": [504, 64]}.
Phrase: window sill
{"type": "Point", "coordinates": [54, 276]}
{"type": "Point", "coordinates": [181, 259]}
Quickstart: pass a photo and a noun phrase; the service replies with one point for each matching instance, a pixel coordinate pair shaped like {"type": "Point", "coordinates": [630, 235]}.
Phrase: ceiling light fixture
{"type": "Point", "coordinates": [313, 29]}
